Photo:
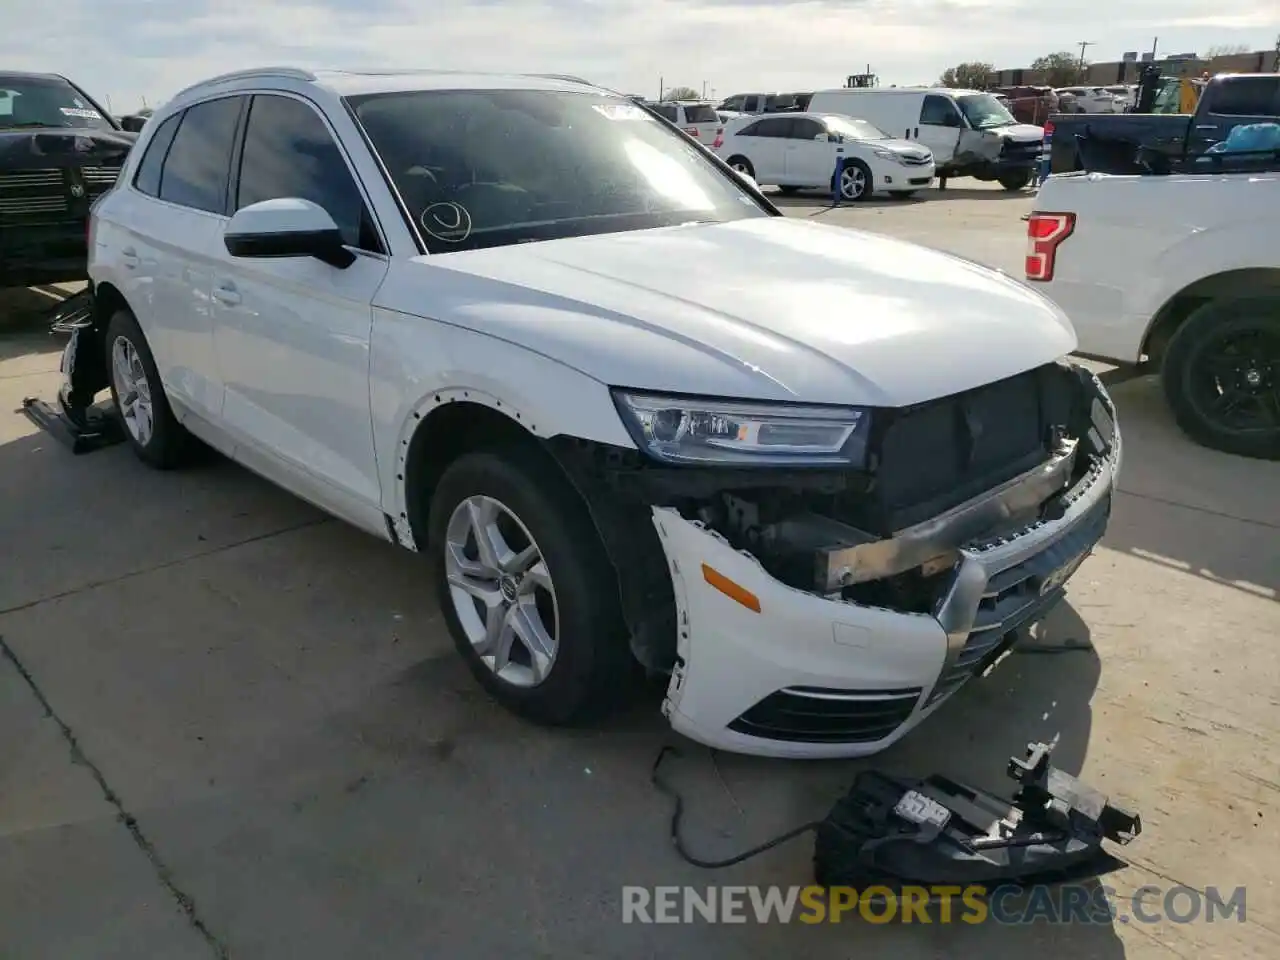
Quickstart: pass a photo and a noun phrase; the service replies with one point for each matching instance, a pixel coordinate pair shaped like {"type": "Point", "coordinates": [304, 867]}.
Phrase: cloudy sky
{"type": "Point", "coordinates": [126, 50]}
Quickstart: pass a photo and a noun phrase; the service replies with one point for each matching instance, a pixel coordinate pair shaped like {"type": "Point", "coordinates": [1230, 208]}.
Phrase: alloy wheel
{"type": "Point", "coordinates": [133, 390]}
{"type": "Point", "coordinates": [502, 591]}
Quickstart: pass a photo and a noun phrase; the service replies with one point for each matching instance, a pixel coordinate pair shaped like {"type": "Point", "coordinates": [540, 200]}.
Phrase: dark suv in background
{"type": "Point", "coordinates": [59, 151]}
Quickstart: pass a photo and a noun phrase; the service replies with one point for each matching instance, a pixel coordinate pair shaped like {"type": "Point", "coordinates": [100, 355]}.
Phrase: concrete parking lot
{"type": "Point", "coordinates": [231, 727]}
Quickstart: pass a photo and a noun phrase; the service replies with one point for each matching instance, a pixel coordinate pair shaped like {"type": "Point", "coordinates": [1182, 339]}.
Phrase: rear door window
{"type": "Point", "coordinates": [699, 113]}
{"type": "Point", "coordinates": [751, 104]}
{"type": "Point", "coordinates": [1246, 97]}
{"type": "Point", "coordinates": [779, 127]}
{"type": "Point", "coordinates": [803, 128]}
{"type": "Point", "coordinates": [199, 161]}
{"type": "Point", "coordinates": [148, 177]}
{"type": "Point", "coordinates": [668, 112]}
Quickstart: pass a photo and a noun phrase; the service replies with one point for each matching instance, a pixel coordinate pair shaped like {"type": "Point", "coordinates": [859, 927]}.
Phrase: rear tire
{"type": "Point", "coordinates": [557, 652]}
{"type": "Point", "coordinates": [742, 165]}
{"type": "Point", "coordinates": [1015, 181]}
{"type": "Point", "coordinates": [1221, 376]}
{"type": "Point", "coordinates": [788, 191]}
{"type": "Point", "coordinates": [141, 405]}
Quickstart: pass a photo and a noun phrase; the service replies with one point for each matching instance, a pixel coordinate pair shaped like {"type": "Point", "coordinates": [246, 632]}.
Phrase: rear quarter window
{"type": "Point", "coordinates": [701, 114]}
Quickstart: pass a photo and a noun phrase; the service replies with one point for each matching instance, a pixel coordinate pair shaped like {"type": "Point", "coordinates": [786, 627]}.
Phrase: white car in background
{"type": "Point", "coordinates": [696, 118]}
{"type": "Point", "coordinates": [797, 151]}
{"type": "Point", "coordinates": [1094, 100]}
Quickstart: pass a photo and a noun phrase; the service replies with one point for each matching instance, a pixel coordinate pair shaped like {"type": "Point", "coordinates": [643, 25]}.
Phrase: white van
{"type": "Point", "coordinates": [970, 133]}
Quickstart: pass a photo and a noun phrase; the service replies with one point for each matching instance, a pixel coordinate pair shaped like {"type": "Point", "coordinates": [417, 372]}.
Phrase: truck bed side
{"type": "Point", "coordinates": [1140, 241]}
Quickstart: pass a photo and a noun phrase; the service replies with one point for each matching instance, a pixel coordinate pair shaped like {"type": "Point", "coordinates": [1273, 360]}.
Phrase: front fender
{"type": "Point", "coordinates": [416, 364]}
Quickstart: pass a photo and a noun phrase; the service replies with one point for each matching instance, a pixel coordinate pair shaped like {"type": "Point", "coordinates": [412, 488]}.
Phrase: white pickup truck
{"type": "Point", "coordinates": [1178, 274]}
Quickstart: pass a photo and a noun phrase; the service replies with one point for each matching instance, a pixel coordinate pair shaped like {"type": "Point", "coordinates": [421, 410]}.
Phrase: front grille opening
{"type": "Point", "coordinates": [821, 715]}
{"type": "Point", "coordinates": [912, 592]}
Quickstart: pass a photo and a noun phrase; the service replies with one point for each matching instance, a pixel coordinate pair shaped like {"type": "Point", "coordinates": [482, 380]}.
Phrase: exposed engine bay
{"type": "Point", "coordinates": [961, 470]}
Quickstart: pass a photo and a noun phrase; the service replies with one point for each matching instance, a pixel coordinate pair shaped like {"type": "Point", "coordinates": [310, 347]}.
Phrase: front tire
{"type": "Point", "coordinates": [527, 590]}
{"type": "Point", "coordinates": [140, 402]}
{"type": "Point", "coordinates": [1221, 376]}
{"type": "Point", "coordinates": [856, 183]}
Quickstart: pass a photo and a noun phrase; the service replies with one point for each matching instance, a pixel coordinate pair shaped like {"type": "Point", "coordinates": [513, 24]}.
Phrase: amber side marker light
{"type": "Point", "coordinates": [730, 589]}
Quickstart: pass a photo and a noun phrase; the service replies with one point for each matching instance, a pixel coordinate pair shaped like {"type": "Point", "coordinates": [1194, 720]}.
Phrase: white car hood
{"type": "Point", "coordinates": [765, 308]}
{"type": "Point", "coordinates": [904, 147]}
{"type": "Point", "coordinates": [1020, 132]}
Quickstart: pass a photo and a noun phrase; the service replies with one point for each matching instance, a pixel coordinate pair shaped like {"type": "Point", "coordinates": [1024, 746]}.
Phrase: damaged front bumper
{"type": "Point", "coordinates": [765, 668]}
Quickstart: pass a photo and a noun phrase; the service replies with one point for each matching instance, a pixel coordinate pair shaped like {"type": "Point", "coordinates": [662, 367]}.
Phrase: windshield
{"type": "Point", "coordinates": [984, 111]}
{"type": "Point", "coordinates": [46, 102]}
{"type": "Point", "coordinates": [855, 129]}
{"type": "Point", "coordinates": [486, 168]}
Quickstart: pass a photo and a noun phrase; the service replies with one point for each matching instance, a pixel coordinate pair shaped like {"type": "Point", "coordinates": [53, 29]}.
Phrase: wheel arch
{"type": "Point", "coordinates": [1175, 311]}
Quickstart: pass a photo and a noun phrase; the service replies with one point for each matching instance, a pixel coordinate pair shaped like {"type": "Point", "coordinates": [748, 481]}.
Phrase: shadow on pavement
{"type": "Point", "coordinates": [273, 697]}
{"type": "Point", "coordinates": [1189, 508]}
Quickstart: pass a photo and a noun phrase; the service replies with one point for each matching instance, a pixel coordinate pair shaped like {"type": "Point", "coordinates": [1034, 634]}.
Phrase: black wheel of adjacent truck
{"type": "Point", "coordinates": [1015, 181]}
{"type": "Point", "coordinates": [1221, 376]}
{"type": "Point", "coordinates": [788, 191]}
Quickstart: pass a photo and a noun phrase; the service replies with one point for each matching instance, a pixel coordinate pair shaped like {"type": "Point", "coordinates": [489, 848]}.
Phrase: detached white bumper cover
{"type": "Point", "coordinates": [808, 677]}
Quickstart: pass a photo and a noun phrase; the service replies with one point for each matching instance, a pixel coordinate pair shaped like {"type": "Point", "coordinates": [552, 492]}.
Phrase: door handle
{"type": "Point", "coordinates": [1206, 126]}
{"type": "Point", "coordinates": [130, 258]}
{"type": "Point", "coordinates": [915, 134]}
{"type": "Point", "coordinates": [226, 294]}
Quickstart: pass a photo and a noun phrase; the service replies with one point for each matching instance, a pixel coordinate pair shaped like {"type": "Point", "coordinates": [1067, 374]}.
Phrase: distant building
{"type": "Point", "coordinates": [1127, 71]}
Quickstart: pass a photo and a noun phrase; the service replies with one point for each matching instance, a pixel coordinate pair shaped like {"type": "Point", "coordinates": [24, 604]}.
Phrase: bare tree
{"type": "Point", "coordinates": [971, 76]}
{"type": "Point", "coordinates": [681, 93]}
{"type": "Point", "coordinates": [1225, 50]}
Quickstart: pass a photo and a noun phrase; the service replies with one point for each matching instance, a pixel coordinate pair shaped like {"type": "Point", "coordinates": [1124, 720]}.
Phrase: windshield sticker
{"type": "Point", "coordinates": [618, 111]}
{"type": "Point", "coordinates": [82, 113]}
{"type": "Point", "coordinates": [447, 222]}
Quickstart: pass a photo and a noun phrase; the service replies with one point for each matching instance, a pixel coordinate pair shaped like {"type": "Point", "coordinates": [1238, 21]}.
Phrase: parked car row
{"type": "Point", "coordinates": [892, 140]}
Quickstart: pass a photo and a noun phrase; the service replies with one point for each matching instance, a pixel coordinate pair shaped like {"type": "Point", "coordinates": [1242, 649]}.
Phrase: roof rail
{"type": "Point", "coordinates": [567, 78]}
{"type": "Point", "coordinates": [288, 73]}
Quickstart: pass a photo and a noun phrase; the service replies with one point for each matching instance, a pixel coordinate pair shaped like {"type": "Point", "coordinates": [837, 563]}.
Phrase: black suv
{"type": "Point", "coordinates": [59, 151]}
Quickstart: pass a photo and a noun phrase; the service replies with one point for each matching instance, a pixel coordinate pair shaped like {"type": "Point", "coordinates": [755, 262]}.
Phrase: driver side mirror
{"type": "Point", "coordinates": [830, 137]}
{"type": "Point", "coordinates": [133, 124]}
{"type": "Point", "coordinates": [288, 227]}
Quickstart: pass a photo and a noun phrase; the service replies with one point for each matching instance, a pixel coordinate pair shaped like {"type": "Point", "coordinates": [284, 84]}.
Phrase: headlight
{"type": "Point", "coordinates": [888, 155]}
{"type": "Point", "coordinates": [706, 431]}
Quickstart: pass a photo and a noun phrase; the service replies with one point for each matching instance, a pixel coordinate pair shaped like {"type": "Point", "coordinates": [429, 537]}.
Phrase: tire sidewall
{"type": "Point", "coordinates": [741, 161]}
{"type": "Point", "coordinates": [163, 448]}
{"type": "Point", "coordinates": [867, 191]}
{"type": "Point", "coordinates": [590, 638]}
{"type": "Point", "coordinates": [1211, 320]}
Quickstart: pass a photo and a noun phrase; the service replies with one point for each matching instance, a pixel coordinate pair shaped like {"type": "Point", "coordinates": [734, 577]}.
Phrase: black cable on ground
{"type": "Point", "coordinates": [678, 841]}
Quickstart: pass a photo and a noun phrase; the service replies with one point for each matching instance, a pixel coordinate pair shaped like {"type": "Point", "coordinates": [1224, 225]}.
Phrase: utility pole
{"type": "Point", "coordinates": [704, 89]}
{"type": "Point", "coordinates": [1080, 66]}
{"type": "Point", "coordinates": [1155, 45]}
{"type": "Point", "coordinates": [661, 86]}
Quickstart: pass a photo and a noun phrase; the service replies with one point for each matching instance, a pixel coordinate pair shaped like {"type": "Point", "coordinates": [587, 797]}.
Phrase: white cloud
{"type": "Point", "coordinates": [130, 49]}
